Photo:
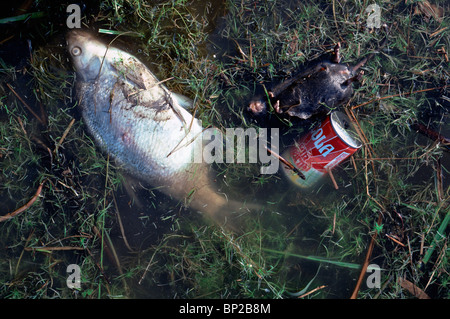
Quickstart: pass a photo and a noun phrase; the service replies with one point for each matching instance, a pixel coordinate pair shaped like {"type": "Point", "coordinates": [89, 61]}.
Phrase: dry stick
{"type": "Point", "coordinates": [287, 163]}
{"type": "Point", "coordinates": [369, 151]}
{"type": "Point", "coordinates": [366, 261]}
{"type": "Point", "coordinates": [63, 137]}
{"type": "Point", "coordinates": [435, 268]}
{"type": "Point", "coordinates": [334, 224]}
{"type": "Point", "coordinates": [26, 105]}
{"type": "Point", "coordinates": [359, 130]}
{"type": "Point", "coordinates": [21, 125]}
{"type": "Point", "coordinates": [312, 291]}
{"type": "Point", "coordinates": [435, 136]}
{"type": "Point", "coordinates": [387, 159]}
{"type": "Point", "coordinates": [251, 54]}
{"type": "Point", "coordinates": [395, 240]}
{"type": "Point", "coordinates": [122, 230]}
{"type": "Point", "coordinates": [442, 51]}
{"type": "Point", "coordinates": [383, 287]}
{"type": "Point", "coordinates": [335, 21]}
{"type": "Point", "coordinates": [244, 56]}
{"type": "Point", "coordinates": [24, 207]}
{"type": "Point", "coordinates": [69, 237]}
{"type": "Point", "coordinates": [21, 254]}
{"type": "Point", "coordinates": [422, 242]}
{"type": "Point", "coordinates": [437, 32]}
{"type": "Point", "coordinates": [147, 268]}
{"type": "Point", "coordinates": [292, 230]}
{"type": "Point", "coordinates": [352, 158]}
{"type": "Point", "coordinates": [440, 187]}
{"type": "Point", "coordinates": [51, 248]}
{"type": "Point", "coordinates": [332, 179]}
{"type": "Point", "coordinates": [396, 95]}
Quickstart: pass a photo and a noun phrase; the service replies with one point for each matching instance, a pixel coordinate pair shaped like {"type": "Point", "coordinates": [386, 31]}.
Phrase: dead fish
{"type": "Point", "coordinates": [322, 85]}
{"type": "Point", "coordinates": [141, 124]}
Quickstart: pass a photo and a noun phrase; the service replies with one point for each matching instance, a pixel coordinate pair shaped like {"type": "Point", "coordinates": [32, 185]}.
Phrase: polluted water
{"type": "Point", "coordinates": [70, 197]}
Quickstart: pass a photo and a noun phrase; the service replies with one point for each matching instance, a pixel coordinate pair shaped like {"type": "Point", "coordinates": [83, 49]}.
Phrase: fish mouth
{"type": "Point", "coordinates": [86, 52]}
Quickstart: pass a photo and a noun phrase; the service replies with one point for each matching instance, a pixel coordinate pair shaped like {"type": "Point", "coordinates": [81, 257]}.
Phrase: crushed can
{"type": "Point", "coordinates": [321, 149]}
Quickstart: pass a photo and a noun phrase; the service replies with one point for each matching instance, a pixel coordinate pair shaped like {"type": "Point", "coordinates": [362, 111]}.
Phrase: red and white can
{"type": "Point", "coordinates": [321, 149]}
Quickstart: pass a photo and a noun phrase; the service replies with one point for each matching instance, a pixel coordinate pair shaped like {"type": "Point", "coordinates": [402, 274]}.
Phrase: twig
{"type": "Point", "coordinates": [244, 56]}
{"type": "Point", "coordinates": [251, 54]}
{"type": "Point", "coordinates": [359, 130]}
{"type": "Point", "coordinates": [63, 137]}
{"type": "Point", "coordinates": [332, 179]}
{"type": "Point", "coordinates": [334, 224]}
{"type": "Point", "coordinates": [352, 158]}
{"type": "Point", "coordinates": [369, 151]}
{"type": "Point", "coordinates": [395, 240]}
{"type": "Point", "coordinates": [335, 21]}
{"type": "Point", "coordinates": [366, 261]}
{"type": "Point", "coordinates": [312, 291]}
{"type": "Point", "coordinates": [24, 207]}
{"type": "Point", "coordinates": [51, 248]}
{"type": "Point", "coordinates": [435, 136]}
{"type": "Point", "coordinates": [21, 254]}
{"type": "Point", "coordinates": [287, 163]}
{"type": "Point", "coordinates": [438, 261]}
{"type": "Point", "coordinates": [387, 158]}
{"type": "Point", "coordinates": [148, 267]}
{"type": "Point", "coordinates": [396, 95]}
{"type": "Point", "coordinates": [439, 186]}
{"type": "Point", "coordinates": [122, 230]}
{"type": "Point", "coordinates": [26, 105]}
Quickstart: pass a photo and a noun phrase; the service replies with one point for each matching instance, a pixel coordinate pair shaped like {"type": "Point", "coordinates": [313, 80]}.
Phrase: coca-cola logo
{"type": "Point", "coordinates": [301, 156]}
{"type": "Point", "coordinates": [319, 142]}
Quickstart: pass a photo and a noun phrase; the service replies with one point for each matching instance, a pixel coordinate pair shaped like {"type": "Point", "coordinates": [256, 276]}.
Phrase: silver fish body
{"type": "Point", "coordinates": [140, 123]}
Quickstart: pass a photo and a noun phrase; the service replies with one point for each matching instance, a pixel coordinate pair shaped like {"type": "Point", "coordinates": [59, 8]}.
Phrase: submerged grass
{"type": "Point", "coordinates": [219, 54]}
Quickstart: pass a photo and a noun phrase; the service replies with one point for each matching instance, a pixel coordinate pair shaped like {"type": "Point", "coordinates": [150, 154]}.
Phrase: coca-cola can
{"type": "Point", "coordinates": [321, 149]}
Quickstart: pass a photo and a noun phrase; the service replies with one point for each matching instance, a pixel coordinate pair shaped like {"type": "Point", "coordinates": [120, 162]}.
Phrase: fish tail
{"type": "Point", "coordinates": [232, 214]}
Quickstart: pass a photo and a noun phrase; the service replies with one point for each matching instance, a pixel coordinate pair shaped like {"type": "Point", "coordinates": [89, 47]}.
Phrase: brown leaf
{"type": "Point", "coordinates": [429, 10]}
{"type": "Point", "coordinates": [413, 289]}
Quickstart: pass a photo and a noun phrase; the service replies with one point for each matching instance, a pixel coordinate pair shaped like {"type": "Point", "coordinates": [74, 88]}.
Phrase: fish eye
{"type": "Point", "coordinates": [76, 51]}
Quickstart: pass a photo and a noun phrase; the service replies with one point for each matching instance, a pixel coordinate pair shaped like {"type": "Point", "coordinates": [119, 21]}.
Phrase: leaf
{"type": "Point", "coordinates": [429, 10]}
{"type": "Point", "coordinates": [304, 290]}
{"type": "Point", "coordinates": [413, 289]}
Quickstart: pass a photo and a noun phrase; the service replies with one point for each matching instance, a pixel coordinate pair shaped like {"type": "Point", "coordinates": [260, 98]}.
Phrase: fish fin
{"type": "Point", "coordinates": [182, 100]}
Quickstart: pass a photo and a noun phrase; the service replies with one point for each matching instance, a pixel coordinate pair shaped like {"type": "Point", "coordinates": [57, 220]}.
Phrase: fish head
{"type": "Point", "coordinates": [87, 53]}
